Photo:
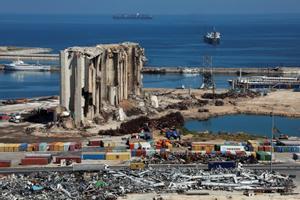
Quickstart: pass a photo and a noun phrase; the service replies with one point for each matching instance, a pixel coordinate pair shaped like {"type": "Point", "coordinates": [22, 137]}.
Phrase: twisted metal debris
{"type": "Point", "coordinates": [109, 184]}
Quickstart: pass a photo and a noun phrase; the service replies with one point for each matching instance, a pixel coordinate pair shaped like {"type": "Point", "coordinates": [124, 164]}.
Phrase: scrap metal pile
{"type": "Point", "coordinates": [109, 184]}
{"type": "Point", "coordinates": [188, 157]}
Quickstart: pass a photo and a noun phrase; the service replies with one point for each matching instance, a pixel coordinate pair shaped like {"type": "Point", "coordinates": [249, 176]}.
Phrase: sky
{"type": "Point", "coordinates": [149, 6]}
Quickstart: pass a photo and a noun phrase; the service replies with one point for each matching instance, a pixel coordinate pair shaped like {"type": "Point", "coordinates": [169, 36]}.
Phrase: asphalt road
{"type": "Point", "coordinates": [284, 168]}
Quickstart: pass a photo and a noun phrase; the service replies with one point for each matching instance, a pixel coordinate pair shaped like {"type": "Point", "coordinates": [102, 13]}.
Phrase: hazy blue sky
{"type": "Point", "coordinates": [150, 6]}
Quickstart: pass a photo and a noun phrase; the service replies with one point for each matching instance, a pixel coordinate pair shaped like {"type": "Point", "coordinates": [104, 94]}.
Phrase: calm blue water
{"type": "Point", "coordinates": [248, 41]}
{"type": "Point", "coordinates": [28, 84]}
{"type": "Point", "coordinates": [177, 80]}
{"type": "Point", "coordinates": [253, 124]}
{"type": "Point", "coordinates": [33, 84]}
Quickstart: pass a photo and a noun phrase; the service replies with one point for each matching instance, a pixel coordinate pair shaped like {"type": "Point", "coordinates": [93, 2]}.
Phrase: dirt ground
{"type": "Point", "coordinates": [281, 102]}
{"type": "Point", "coordinates": [213, 195]}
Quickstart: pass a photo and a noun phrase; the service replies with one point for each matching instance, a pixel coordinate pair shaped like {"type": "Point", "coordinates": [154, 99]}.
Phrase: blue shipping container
{"type": "Point", "coordinates": [23, 147]}
{"type": "Point", "coordinates": [133, 152]}
{"type": "Point", "coordinates": [225, 165]}
{"type": "Point", "coordinates": [93, 156]}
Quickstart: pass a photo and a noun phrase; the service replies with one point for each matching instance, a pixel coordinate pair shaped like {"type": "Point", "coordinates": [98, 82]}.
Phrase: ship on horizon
{"type": "Point", "coordinates": [132, 16]}
{"type": "Point", "coordinates": [213, 37]}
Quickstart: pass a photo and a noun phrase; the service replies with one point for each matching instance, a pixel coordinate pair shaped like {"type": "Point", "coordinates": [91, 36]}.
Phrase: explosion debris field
{"type": "Point", "coordinates": [110, 184]}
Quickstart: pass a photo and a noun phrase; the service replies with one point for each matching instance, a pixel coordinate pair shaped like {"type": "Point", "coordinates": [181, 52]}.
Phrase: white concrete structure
{"type": "Point", "coordinates": [92, 77]}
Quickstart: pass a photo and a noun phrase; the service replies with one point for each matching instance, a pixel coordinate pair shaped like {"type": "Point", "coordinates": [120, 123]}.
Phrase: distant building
{"type": "Point", "coordinates": [92, 77]}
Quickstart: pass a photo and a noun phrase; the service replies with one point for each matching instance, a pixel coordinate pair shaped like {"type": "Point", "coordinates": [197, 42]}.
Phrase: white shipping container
{"type": "Point", "coordinates": [231, 148]}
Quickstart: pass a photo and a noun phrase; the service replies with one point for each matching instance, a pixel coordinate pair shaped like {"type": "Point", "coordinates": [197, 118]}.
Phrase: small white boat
{"type": "Point", "coordinates": [19, 65]}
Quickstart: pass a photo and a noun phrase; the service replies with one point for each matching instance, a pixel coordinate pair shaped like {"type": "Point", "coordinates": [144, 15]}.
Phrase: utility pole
{"type": "Point", "coordinates": [272, 132]}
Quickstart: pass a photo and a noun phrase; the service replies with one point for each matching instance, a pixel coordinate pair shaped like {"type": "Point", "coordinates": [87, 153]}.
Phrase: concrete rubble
{"type": "Point", "coordinates": [109, 184]}
{"type": "Point", "coordinates": [134, 126]}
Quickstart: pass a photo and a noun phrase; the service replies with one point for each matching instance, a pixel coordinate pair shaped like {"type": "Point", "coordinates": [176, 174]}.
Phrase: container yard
{"type": "Point", "coordinates": [152, 151]}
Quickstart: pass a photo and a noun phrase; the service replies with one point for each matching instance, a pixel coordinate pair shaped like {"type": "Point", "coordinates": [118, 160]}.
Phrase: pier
{"type": "Point", "coordinates": [271, 71]}
{"type": "Point", "coordinates": [37, 54]}
{"type": "Point", "coordinates": [10, 56]}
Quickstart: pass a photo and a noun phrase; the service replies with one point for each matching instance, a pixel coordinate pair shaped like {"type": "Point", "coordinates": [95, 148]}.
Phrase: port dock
{"type": "Point", "coordinates": [274, 71]}
{"type": "Point", "coordinates": [10, 56]}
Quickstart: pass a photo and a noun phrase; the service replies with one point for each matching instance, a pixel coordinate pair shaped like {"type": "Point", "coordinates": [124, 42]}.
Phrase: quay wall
{"type": "Point", "coordinates": [9, 56]}
{"type": "Point", "coordinates": [222, 70]}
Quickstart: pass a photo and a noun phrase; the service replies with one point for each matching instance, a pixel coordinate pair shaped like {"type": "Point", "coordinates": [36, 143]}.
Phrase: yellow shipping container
{"type": "Point", "coordinates": [253, 142]}
{"type": "Point", "coordinates": [8, 148]}
{"type": "Point", "coordinates": [30, 147]}
{"type": "Point", "coordinates": [56, 146]}
{"type": "Point", "coordinates": [253, 153]}
{"type": "Point", "coordinates": [2, 147]}
{"type": "Point", "coordinates": [202, 147]}
{"type": "Point", "coordinates": [59, 146]}
{"type": "Point", "coordinates": [137, 165]}
{"type": "Point", "coordinates": [109, 144]}
{"type": "Point", "coordinates": [118, 156]}
{"type": "Point", "coordinates": [15, 147]}
{"type": "Point", "coordinates": [209, 148]}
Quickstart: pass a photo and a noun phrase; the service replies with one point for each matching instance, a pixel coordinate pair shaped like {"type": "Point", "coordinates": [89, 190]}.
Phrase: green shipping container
{"type": "Point", "coordinates": [263, 155]}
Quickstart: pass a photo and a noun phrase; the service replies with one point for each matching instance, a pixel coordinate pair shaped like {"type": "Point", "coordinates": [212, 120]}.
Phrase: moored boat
{"type": "Point", "coordinates": [19, 65]}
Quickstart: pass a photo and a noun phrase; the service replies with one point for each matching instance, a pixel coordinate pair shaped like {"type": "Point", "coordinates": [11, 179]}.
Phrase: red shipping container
{"type": "Point", "coordinates": [4, 117]}
{"type": "Point", "coordinates": [144, 153]}
{"type": "Point", "coordinates": [48, 158]}
{"type": "Point", "coordinates": [72, 147]}
{"type": "Point", "coordinates": [267, 148]}
{"type": "Point", "coordinates": [94, 143]}
{"type": "Point", "coordinates": [5, 163]}
{"type": "Point", "coordinates": [131, 145]}
{"type": "Point", "coordinates": [78, 145]}
{"type": "Point", "coordinates": [240, 153]}
{"type": "Point", "coordinates": [51, 146]}
{"type": "Point", "coordinates": [34, 161]}
{"type": "Point", "coordinates": [261, 148]}
{"type": "Point", "coordinates": [139, 152]}
{"type": "Point", "coordinates": [76, 159]}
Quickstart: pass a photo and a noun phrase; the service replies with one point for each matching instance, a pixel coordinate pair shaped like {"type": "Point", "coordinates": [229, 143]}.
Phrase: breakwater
{"type": "Point", "coordinates": [11, 56]}
{"type": "Point", "coordinates": [271, 71]}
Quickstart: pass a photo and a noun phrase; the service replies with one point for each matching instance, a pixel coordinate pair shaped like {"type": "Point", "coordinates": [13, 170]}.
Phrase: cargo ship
{"type": "Point", "coordinates": [19, 65]}
{"type": "Point", "coordinates": [212, 37]}
{"type": "Point", "coordinates": [253, 82]}
{"type": "Point", "coordinates": [132, 16]}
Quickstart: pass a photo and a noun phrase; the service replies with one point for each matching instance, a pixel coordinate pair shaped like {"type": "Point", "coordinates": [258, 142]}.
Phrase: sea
{"type": "Point", "coordinates": [250, 124]}
{"type": "Point", "coordinates": [169, 40]}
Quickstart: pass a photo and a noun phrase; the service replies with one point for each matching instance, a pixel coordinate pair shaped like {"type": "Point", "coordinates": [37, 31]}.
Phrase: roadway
{"type": "Point", "coordinates": [96, 167]}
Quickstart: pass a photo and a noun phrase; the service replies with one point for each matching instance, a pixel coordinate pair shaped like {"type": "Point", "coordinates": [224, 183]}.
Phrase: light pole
{"type": "Point", "coordinates": [272, 131]}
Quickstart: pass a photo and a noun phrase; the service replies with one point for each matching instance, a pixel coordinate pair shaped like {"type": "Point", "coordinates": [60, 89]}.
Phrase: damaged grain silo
{"type": "Point", "coordinates": [92, 77]}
